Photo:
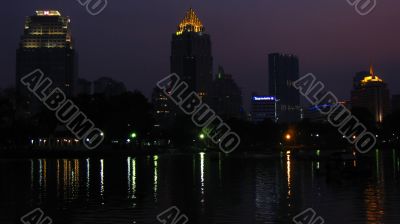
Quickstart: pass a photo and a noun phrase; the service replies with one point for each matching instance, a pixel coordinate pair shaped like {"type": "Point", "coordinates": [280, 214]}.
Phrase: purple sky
{"type": "Point", "coordinates": [130, 40]}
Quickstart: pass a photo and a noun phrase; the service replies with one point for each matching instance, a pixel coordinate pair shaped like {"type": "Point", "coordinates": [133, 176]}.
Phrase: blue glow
{"type": "Point", "coordinates": [264, 98]}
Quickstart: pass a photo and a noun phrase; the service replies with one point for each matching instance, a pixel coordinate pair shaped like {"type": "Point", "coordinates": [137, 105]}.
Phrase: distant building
{"type": "Point", "coordinates": [46, 45]}
{"type": "Point", "coordinates": [395, 102]}
{"type": "Point", "coordinates": [191, 56]}
{"type": "Point", "coordinates": [226, 96]}
{"type": "Point", "coordinates": [108, 86]}
{"type": "Point", "coordinates": [373, 94]}
{"type": "Point", "coordinates": [283, 71]}
{"type": "Point", "coordinates": [163, 108]}
{"type": "Point", "coordinates": [83, 87]}
{"type": "Point", "coordinates": [262, 108]}
{"type": "Point", "coordinates": [313, 114]}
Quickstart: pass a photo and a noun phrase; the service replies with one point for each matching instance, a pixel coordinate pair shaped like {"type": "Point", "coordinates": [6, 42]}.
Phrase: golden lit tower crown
{"type": "Point", "coordinates": [191, 23]}
{"type": "Point", "coordinates": [372, 77]}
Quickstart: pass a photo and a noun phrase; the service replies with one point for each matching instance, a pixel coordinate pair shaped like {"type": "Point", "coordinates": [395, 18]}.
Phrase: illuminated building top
{"type": "Point", "coordinates": [371, 77]}
{"type": "Point", "coordinates": [191, 23]}
{"type": "Point", "coordinates": [48, 13]}
{"type": "Point", "coordinates": [47, 29]}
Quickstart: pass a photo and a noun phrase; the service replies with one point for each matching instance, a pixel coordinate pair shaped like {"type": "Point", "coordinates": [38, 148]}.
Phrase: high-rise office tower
{"type": "Point", "coordinates": [372, 93]}
{"type": "Point", "coordinates": [46, 44]}
{"type": "Point", "coordinates": [396, 102]}
{"type": "Point", "coordinates": [283, 71]}
{"type": "Point", "coordinates": [191, 56]}
{"type": "Point", "coordinates": [226, 96]}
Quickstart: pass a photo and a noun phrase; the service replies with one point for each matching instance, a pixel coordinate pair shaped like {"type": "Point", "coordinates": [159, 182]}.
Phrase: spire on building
{"type": "Point", "coordinates": [371, 71]}
{"type": "Point", "coordinates": [190, 23]}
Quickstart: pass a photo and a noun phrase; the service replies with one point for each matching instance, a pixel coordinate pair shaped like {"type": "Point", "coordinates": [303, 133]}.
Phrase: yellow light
{"type": "Point", "coordinates": [48, 13]}
{"type": "Point", "coordinates": [288, 136]}
{"type": "Point", "coordinates": [190, 23]}
{"type": "Point", "coordinates": [368, 79]}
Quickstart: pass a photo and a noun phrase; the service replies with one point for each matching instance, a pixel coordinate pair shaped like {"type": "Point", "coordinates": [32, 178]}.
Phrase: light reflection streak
{"type": "Point", "coordinates": [45, 174]}
{"type": "Point", "coordinates": [374, 200]}
{"type": "Point", "coordinates": [40, 174]}
{"type": "Point", "coordinates": [58, 178]}
{"type": "Point", "coordinates": [131, 178]}
{"type": "Point", "coordinates": [202, 176]}
{"type": "Point", "coordinates": [379, 166]}
{"type": "Point", "coordinates": [155, 176]}
{"type": "Point", "coordinates": [87, 177]}
{"type": "Point", "coordinates": [102, 179]}
{"type": "Point", "coordinates": [289, 172]}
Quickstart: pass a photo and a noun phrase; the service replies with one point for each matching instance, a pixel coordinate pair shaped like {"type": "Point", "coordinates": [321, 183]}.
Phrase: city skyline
{"type": "Point", "coordinates": [251, 75]}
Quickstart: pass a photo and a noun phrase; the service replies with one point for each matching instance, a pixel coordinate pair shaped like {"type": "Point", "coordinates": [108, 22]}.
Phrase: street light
{"type": "Point", "coordinates": [288, 137]}
{"type": "Point", "coordinates": [133, 135]}
{"type": "Point", "coordinates": [202, 136]}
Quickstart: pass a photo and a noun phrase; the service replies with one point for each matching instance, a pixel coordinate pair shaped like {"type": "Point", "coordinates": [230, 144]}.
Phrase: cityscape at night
{"type": "Point", "coordinates": [200, 112]}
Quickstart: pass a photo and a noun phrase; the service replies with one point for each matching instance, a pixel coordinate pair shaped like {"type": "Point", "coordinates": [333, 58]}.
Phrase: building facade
{"type": "Point", "coordinates": [226, 96]}
{"type": "Point", "coordinates": [283, 71]}
{"type": "Point", "coordinates": [373, 94]}
{"type": "Point", "coordinates": [395, 102]}
{"type": "Point", "coordinates": [191, 56]}
{"type": "Point", "coordinates": [262, 108]}
{"type": "Point", "coordinates": [46, 44]}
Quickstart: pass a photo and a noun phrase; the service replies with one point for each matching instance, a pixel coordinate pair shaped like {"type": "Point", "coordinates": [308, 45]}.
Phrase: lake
{"type": "Point", "coordinates": [206, 187]}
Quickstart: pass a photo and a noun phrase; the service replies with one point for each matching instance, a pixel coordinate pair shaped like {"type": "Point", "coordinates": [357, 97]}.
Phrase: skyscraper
{"type": "Point", "coordinates": [396, 102]}
{"type": "Point", "coordinates": [262, 108]}
{"type": "Point", "coordinates": [283, 71]}
{"type": "Point", "coordinates": [46, 45]}
{"type": "Point", "coordinates": [191, 56]}
{"type": "Point", "coordinates": [372, 93]}
{"type": "Point", "coordinates": [226, 96]}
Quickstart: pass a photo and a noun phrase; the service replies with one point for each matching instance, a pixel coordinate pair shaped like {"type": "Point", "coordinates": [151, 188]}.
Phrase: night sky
{"type": "Point", "coordinates": [130, 40]}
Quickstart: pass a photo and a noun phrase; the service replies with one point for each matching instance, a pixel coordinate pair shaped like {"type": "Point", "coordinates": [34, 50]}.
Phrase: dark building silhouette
{"type": "Point", "coordinates": [108, 87]}
{"type": "Point", "coordinates": [358, 77]}
{"type": "Point", "coordinates": [313, 113]}
{"type": "Point", "coordinates": [46, 45]}
{"type": "Point", "coordinates": [226, 96]}
{"type": "Point", "coordinates": [372, 93]}
{"type": "Point", "coordinates": [191, 56]}
{"type": "Point", "coordinates": [83, 87]}
{"type": "Point", "coordinates": [163, 108]}
{"type": "Point", "coordinates": [395, 102]}
{"type": "Point", "coordinates": [283, 71]}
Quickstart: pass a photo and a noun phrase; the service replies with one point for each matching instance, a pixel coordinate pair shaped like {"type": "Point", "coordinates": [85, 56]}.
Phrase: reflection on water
{"type": "Point", "coordinates": [202, 177]}
{"type": "Point", "coordinates": [208, 187]}
{"type": "Point", "coordinates": [102, 179]}
{"type": "Point", "coordinates": [131, 164]}
{"type": "Point", "coordinates": [155, 176]}
{"type": "Point", "coordinates": [288, 173]}
{"type": "Point", "coordinates": [87, 177]}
